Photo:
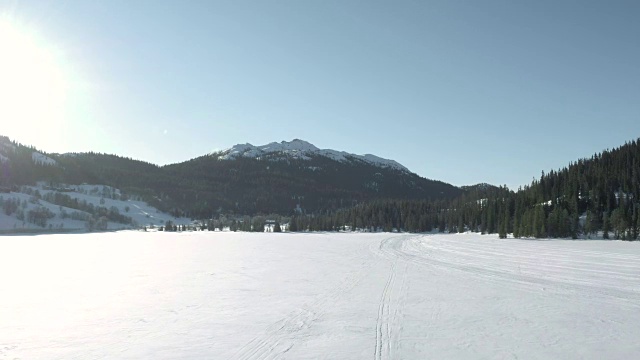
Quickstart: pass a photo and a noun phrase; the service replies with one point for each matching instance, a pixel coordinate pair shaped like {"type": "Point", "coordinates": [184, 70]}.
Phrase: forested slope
{"type": "Point", "coordinates": [597, 195]}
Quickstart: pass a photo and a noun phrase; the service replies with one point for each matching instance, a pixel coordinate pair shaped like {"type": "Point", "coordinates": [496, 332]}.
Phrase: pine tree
{"type": "Point", "coordinates": [588, 224]}
{"type": "Point", "coordinates": [539, 229]}
{"type": "Point", "coordinates": [636, 225]}
{"type": "Point", "coordinates": [502, 232]}
{"type": "Point", "coordinates": [504, 223]}
{"type": "Point", "coordinates": [293, 227]}
{"type": "Point", "coordinates": [461, 224]}
{"type": "Point", "coordinates": [606, 226]}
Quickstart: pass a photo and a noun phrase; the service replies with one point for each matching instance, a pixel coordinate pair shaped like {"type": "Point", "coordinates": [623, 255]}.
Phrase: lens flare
{"type": "Point", "coordinates": [33, 85]}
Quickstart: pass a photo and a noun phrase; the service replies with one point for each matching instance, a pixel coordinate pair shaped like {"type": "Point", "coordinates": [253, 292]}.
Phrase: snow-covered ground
{"type": "Point", "coordinates": [141, 213]}
{"type": "Point", "coordinates": [205, 295]}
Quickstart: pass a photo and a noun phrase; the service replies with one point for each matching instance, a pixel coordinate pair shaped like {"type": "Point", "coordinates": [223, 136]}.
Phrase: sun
{"type": "Point", "coordinates": [33, 86]}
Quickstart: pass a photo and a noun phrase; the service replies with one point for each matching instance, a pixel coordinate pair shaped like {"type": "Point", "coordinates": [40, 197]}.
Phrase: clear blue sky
{"type": "Point", "coordinates": [459, 91]}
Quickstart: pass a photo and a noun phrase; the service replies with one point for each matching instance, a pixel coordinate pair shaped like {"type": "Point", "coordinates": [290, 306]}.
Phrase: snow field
{"type": "Point", "coordinates": [194, 295]}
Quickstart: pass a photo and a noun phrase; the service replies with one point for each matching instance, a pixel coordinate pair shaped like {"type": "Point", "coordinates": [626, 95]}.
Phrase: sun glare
{"type": "Point", "coordinates": [33, 86]}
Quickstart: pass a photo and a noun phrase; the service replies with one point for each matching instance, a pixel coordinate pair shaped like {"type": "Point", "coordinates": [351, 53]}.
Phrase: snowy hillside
{"type": "Point", "coordinates": [300, 149]}
{"type": "Point", "coordinates": [75, 207]}
{"type": "Point", "coordinates": [225, 295]}
{"type": "Point", "coordinates": [41, 159]}
{"type": "Point", "coordinates": [276, 178]}
{"type": "Point", "coordinates": [7, 148]}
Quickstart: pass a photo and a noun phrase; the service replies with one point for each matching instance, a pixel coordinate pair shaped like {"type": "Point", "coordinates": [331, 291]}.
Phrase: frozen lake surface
{"type": "Point", "coordinates": [133, 295]}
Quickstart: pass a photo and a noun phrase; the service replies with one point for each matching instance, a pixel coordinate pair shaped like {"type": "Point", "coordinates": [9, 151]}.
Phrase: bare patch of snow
{"type": "Point", "coordinates": [41, 159]}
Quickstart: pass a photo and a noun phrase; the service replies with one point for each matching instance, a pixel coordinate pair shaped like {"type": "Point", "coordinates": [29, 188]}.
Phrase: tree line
{"type": "Point", "coordinates": [598, 195]}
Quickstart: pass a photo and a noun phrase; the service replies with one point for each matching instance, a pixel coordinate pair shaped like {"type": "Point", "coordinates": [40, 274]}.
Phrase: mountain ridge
{"type": "Point", "coordinates": [300, 149]}
{"type": "Point", "coordinates": [282, 178]}
{"type": "Point", "coordinates": [596, 196]}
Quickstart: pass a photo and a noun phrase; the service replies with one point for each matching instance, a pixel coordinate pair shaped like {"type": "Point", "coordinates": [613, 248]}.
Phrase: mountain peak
{"type": "Point", "coordinates": [301, 149]}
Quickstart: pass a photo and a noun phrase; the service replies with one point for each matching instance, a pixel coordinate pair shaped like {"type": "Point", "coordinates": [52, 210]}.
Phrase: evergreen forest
{"type": "Point", "coordinates": [598, 195]}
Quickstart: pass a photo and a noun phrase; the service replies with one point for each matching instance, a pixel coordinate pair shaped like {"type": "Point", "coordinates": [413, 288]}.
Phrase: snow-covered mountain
{"type": "Point", "coordinates": [303, 150]}
{"type": "Point", "coordinates": [282, 178]}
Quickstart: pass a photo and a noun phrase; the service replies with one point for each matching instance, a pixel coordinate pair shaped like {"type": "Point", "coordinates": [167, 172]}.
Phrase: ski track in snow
{"type": "Point", "coordinates": [388, 320]}
{"type": "Point", "coordinates": [554, 273]}
{"type": "Point", "coordinates": [552, 270]}
{"type": "Point", "coordinates": [383, 326]}
{"type": "Point", "coordinates": [391, 295]}
{"type": "Point", "coordinates": [282, 335]}
{"type": "Point", "coordinates": [560, 275]}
